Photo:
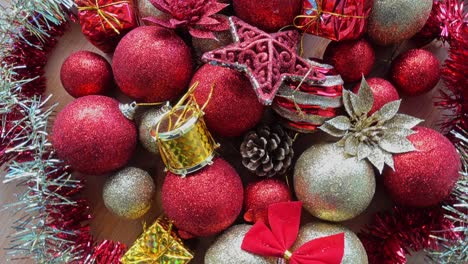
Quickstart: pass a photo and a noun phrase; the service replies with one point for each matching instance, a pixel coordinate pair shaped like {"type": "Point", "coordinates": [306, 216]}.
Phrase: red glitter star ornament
{"type": "Point", "coordinates": [267, 59]}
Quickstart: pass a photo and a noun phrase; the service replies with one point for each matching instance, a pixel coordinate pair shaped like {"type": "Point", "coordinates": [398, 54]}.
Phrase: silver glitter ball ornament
{"type": "Point", "coordinates": [392, 21]}
{"type": "Point", "coordinates": [354, 252]}
{"type": "Point", "coordinates": [227, 249]}
{"type": "Point", "coordinates": [147, 126]}
{"type": "Point", "coordinates": [146, 9]}
{"type": "Point", "coordinates": [331, 185]}
{"type": "Point", "coordinates": [129, 193]}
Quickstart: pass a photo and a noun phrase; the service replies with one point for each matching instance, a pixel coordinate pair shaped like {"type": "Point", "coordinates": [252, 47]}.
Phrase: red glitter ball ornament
{"type": "Point", "coordinates": [152, 64]}
{"type": "Point", "coordinates": [384, 92]}
{"type": "Point", "coordinates": [415, 72]}
{"type": "Point", "coordinates": [267, 15]}
{"type": "Point", "coordinates": [259, 195]}
{"type": "Point", "coordinates": [233, 107]}
{"type": "Point", "coordinates": [351, 59]}
{"type": "Point", "coordinates": [426, 176]}
{"type": "Point", "coordinates": [86, 73]}
{"type": "Point", "coordinates": [205, 202]}
{"type": "Point", "coordinates": [92, 136]}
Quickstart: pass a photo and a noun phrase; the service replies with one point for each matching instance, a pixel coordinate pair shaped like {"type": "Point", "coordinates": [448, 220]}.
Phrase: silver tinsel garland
{"type": "Point", "coordinates": [34, 237]}
{"type": "Point", "coordinates": [456, 251]}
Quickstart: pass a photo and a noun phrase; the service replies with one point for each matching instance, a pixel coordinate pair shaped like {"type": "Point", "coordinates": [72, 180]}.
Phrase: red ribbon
{"type": "Point", "coordinates": [284, 220]}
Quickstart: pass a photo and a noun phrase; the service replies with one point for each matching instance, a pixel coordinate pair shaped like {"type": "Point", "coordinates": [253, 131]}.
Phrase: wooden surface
{"type": "Point", "coordinates": [106, 226]}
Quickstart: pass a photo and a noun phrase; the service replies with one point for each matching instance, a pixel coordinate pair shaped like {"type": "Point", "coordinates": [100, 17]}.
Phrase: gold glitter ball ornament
{"type": "Point", "coordinates": [147, 126]}
{"type": "Point", "coordinates": [129, 193]}
{"type": "Point", "coordinates": [227, 249]}
{"type": "Point", "coordinates": [354, 252]}
{"type": "Point", "coordinates": [332, 185]}
{"type": "Point", "coordinates": [393, 21]}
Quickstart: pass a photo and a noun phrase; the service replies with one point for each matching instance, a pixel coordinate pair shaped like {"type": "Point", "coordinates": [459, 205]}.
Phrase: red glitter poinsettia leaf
{"type": "Point", "coordinates": [177, 23]}
{"type": "Point", "coordinates": [207, 21]}
{"type": "Point", "coordinates": [214, 8]}
{"type": "Point", "coordinates": [161, 5]}
{"type": "Point", "coordinates": [222, 25]}
{"type": "Point", "coordinates": [160, 22]}
{"type": "Point", "coordinates": [201, 33]}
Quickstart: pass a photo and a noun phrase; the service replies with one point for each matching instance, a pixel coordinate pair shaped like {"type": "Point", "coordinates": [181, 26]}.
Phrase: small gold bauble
{"type": "Point", "coordinates": [392, 21]}
{"type": "Point", "coordinates": [354, 252]}
{"type": "Point", "coordinates": [227, 249]}
{"type": "Point", "coordinates": [129, 193]}
{"type": "Point", "coordinates": [331, 185]}
{"type": "Point", "coordinates": [146, 129]}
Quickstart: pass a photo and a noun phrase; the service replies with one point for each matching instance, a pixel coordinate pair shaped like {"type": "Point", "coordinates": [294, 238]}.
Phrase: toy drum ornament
{"type": "Point", "coordinates": [185, 144]}
{"type": "Point", "coordinates": [303, 107]}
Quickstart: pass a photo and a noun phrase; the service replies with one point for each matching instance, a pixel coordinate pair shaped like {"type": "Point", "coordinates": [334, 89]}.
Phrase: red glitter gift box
{"type": "Point", "coordinates": [105, 22]}
{"type": "Point", "coordinates": [334, 19]}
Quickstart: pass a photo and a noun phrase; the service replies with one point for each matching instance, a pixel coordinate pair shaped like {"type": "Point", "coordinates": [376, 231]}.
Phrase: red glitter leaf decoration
{"type": "Point", "coordinates": [196, 16]}
{"type": "Point", "coordinates": [268, 60]}
{"type": "Point", "coordinates": [199, 33]}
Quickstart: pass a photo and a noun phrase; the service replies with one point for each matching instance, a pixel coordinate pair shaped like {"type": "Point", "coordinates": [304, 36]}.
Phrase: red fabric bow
{"type": "Point", "coordinates": [284, 220]}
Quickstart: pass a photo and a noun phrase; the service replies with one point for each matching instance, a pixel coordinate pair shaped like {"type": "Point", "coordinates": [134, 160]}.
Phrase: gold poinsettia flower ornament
{"type": "Point", "coordinates": [374, 137]}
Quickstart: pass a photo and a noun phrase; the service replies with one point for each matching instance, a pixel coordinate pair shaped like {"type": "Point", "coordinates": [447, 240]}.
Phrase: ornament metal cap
{"type": "Point", "coordinates": [128, 110]}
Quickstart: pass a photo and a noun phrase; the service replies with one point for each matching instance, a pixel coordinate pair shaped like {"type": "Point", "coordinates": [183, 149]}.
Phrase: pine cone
{"type": "Point", "coordinates": [267, 151]}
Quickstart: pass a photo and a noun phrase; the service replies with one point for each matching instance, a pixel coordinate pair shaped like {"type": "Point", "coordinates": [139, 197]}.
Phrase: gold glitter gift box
{"type": "Point", "coordinates": [158, 245]}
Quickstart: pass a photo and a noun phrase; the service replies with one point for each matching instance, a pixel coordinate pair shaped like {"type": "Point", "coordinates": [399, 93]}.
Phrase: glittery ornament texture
{"type": "Point", "coordinates": [392, 21]}
{"type": "Point", "coordinates": [267, 15]}
{"type": "Point", "coordinates": [384, 92]}
{"type": "Point", "coordinates": [205, 202]}
{"type": "Point", "coordinates": [268, 60]}
{"type": "Point", "coordinates": [129, 193]}
{"type": "Point", "coordinates": [354, 252]}
{"type": "Point", "coordinates": [86, 73]}
{"type": "Point", "coordinates": [93, 136]}
{"type": "Point", "coordinates": [302, 107]}
{"type": "Point", "coordinates": [259, 195]}
{"type": "Point", "coordinates": [427, 176]}
{"type": "Point", "coordinates": [415, 72]}
{"type": "Point", "coordinates": [233, 107]}
{"type": "Point", "coordinates": [198, 17]}
{"type": "Point", "coordinates": [147, 127]}
{"type": "Point", "coordinates": [147, 9]}
{"type": "Point", "coordinates": [227, 249]}
{"type": "Point", "coordinates": [152, 64]}
{"type": "Point", "coordinates": [351, 59]}
{"type": "Point", "coordinates": [332, 185]}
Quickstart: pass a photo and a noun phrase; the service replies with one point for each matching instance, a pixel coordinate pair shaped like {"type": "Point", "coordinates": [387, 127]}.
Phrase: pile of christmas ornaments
{"type": "Point", "coordinates": [201, 70]}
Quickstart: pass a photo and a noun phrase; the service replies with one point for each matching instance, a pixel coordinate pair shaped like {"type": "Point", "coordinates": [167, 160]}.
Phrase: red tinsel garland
{"type": "Point", "coordinates": [453, 25]}
{"type": "Point", "coordinates": [31, 54]}
{"type": "Point", "coordinates": [455, 76]}
{"type": "Point", "coordinates": [392, 235]}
